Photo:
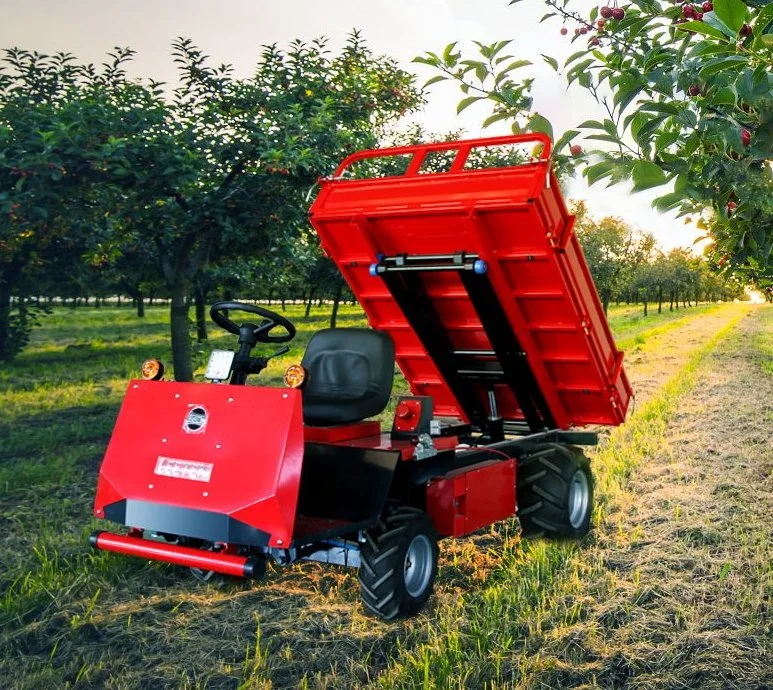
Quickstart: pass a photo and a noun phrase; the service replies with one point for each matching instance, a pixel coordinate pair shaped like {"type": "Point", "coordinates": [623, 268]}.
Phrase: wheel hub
{"type": "Point", "coordinates": [579, 499]}
{"type": "Point", "coordinates": [417, 571]}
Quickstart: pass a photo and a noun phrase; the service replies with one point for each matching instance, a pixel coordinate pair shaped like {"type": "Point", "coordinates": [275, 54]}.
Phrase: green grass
{"type": "Point", "coordinates": [537, 586]}
{"type": "Point", "coordinates": [60, 397]}
{"type": "Point", "coordinates": [59, 402]}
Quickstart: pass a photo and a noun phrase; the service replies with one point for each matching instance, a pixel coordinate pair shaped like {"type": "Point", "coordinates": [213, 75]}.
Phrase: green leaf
{"type": "Point", "coordinates": [702, 28]}
{"type": "Point", "coordinates": [551, 61]}
{"type": "Point", "coordinates": [626, 92]}
{"type": "Point", "coordinates": [668, 202]}
{"type": "Point", "coordinates": [724, 96]}
{"type": "Point", "coordinates": [591, 124]}
{"type": "Point", "coordinates": [661, 107]}
{"type": "Point", "coordinates": [647, 175]}
{"type": "Point", "coordinates": [434, 80]}
{"type": "Point", "coordinates": [516, 64]}
{"type": "Point", "coordinates": [604, 137]}
{"type": "Point", "coordinates": [763, 19]}
{"type": "Point", "coordinates": [467, 102]}
{"type": "Point", "coordinates": [731, 12]}
{"type": "Point", "coordinates": [495, 118]}
{"type": "Point", "coordinates": [448, 57]}
{"type": "Point", "coordinates": [717, 65]}
{"type": "Point", "coordinates": [566, 137]}
{"type": "Point", "coordinates": [665, 139]}
{"type": "Point", "coordinates": [537, 123]}
{"type": "Point", "coordinates": [599, 171]}
{"type": "Point", "coordinates": [711, 19]}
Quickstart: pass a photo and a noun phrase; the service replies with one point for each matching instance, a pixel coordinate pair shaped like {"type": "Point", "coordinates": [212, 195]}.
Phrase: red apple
{"type": "Point", "coordinates": [618, 13]}
{"type": "Point", "coordinates": [564, 31]}
{"type": "Point", "coordinates": [707, 7]}
{"type": "Point", "coordinates": [594, 41]}
{"type": "Point", "coordinates": [575, 149]}
{"type": "Point", "coordinates": [688, 11]}
{"type": "Point", "coordinates": [746, 137]}
{"type": "Point", "coordinates": [694, 90]}
{"type": "Point", "coordinates": [606, 12]}
{"type": "Point", "coordinates": [731, 206]}
{"type": "Point", "coordinates": [584, 30]}
{"type": "Point", "coordinates": [745, 31]}
{"type": "Point", "coordinates": [601, 24]}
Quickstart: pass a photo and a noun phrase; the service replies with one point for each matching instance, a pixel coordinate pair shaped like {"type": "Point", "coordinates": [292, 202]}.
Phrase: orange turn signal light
{"type": "Point", "coordinates": [152, 370]}
{"type": "Point", "coordinates": [295, 376]}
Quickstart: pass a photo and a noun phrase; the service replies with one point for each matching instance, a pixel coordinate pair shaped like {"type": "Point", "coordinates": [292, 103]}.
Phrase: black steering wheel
{"type": "Point", "coordinates": [260, 333]}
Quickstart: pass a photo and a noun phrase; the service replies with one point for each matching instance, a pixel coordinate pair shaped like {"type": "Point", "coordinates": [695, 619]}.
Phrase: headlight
{"type": "Point", "coordinates": [296, 376]}
{"type": "Point", "coordinates": [152, 370]}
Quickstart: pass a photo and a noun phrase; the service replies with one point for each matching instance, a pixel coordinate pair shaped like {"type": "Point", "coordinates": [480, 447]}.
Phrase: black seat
{"type": "Point", "coordinates": [350, 374]}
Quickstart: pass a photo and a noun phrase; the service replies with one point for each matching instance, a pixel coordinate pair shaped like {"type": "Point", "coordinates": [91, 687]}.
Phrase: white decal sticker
{"type": "Point", "coordinates": [183, 469]}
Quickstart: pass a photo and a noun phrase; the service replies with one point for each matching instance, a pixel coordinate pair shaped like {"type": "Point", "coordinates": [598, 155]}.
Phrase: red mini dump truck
{"type": "Point", "coordinates": [475, 285]}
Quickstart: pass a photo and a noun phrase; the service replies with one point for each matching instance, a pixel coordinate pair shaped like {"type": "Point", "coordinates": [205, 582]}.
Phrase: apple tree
{"type": "Point", "coordinates": [215, 170]}
{"type": "Point", "coordinates": [685, 98]}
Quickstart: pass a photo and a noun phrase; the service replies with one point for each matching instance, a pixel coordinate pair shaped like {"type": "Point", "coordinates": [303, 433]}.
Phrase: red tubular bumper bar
{"type": "Point", "coordinates": [225, 563]}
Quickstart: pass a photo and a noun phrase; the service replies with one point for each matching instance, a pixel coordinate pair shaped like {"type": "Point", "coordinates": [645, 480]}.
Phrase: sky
{"type": "Point", "coordinates": [233, 31]}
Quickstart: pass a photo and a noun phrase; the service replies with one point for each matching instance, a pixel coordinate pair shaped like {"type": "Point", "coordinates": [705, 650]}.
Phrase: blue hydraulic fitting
{"type": "Point", "coordinates": [373, 270]}
{"type": "Point", "coordinates": [480, 267]}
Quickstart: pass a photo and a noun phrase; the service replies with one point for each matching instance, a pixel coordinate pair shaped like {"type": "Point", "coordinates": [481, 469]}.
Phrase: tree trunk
{"type": "Point", "coordinates": [5, 317]}
{"type": "Point", "coordinates": [284, 306]}
{"type": "Point", "coordinates": [671, 308]}
{"type": "Point", "coordinates": [308, 304]}
{"type": "Point", "coordinates": [140, 298]}
{"type": "Point", "coordinates": [645, 305]}
{"type": "Point", "coordinates": [181, 342]}
{"type": "Point", "coordinates": [336, 302]}
{"type": "Point", "coordinates": [660, 300]}
{"type": "Point", "coordinates": [200, 298]}
{"type": "Point", "coordinates": [605, 301]}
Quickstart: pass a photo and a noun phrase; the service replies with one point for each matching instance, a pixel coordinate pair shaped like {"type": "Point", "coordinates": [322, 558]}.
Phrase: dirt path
{"type": "Point", "coordinates": [683, 595]}
{"type": "Point", "coordinates": [650, 365]}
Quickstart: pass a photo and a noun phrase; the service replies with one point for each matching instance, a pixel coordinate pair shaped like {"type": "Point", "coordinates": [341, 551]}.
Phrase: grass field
{"type": "Point", "coordinates": [671, 590]}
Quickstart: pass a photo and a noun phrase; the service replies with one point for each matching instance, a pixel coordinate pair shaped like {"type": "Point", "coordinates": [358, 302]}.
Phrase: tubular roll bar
{"type": "Point", "coordinates": [419, 152]}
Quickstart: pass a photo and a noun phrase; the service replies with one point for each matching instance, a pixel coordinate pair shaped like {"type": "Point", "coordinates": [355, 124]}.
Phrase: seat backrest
{"type": "Point", "coordinates": [350, 375]}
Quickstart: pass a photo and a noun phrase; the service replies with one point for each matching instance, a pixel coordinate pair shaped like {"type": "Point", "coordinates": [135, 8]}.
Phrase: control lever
{"type": "Point", "coordinates": [282, 351]}
{"type": "Point", "coordinates": [258, 364]}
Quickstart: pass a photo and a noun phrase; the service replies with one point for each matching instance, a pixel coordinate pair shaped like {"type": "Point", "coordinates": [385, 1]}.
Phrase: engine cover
{"type": "Point", "coordinates": [215, 462]}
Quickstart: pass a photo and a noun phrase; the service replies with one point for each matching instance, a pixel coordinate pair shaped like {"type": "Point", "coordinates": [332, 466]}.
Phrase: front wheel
{"type": "Point", "coordinates": [398, 564]}
{"type": "Point", "coordinates": [554, 485]}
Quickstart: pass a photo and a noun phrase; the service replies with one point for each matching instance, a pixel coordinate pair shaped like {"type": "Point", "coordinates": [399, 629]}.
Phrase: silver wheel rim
{"type": "Point", "coordinates": [417, 570]}
{"type": "Point", "coordinates": [579, 498]}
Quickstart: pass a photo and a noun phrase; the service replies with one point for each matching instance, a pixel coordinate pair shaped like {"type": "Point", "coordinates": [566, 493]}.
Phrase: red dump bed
{"type": "Point", "coordinates": [536, 306]}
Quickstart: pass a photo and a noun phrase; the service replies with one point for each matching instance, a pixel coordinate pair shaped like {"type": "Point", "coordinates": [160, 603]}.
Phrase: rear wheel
{"type": "Point", "coordinates": [398, 564]}
{"type": "Point", "coordinates": [555, 492]}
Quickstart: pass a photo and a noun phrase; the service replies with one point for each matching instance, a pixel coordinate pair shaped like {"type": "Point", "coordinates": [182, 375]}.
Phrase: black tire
{"type": "Point", "coordinates": [392, 586]}
{"type": "Point", "coordinates": [554, 485]}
